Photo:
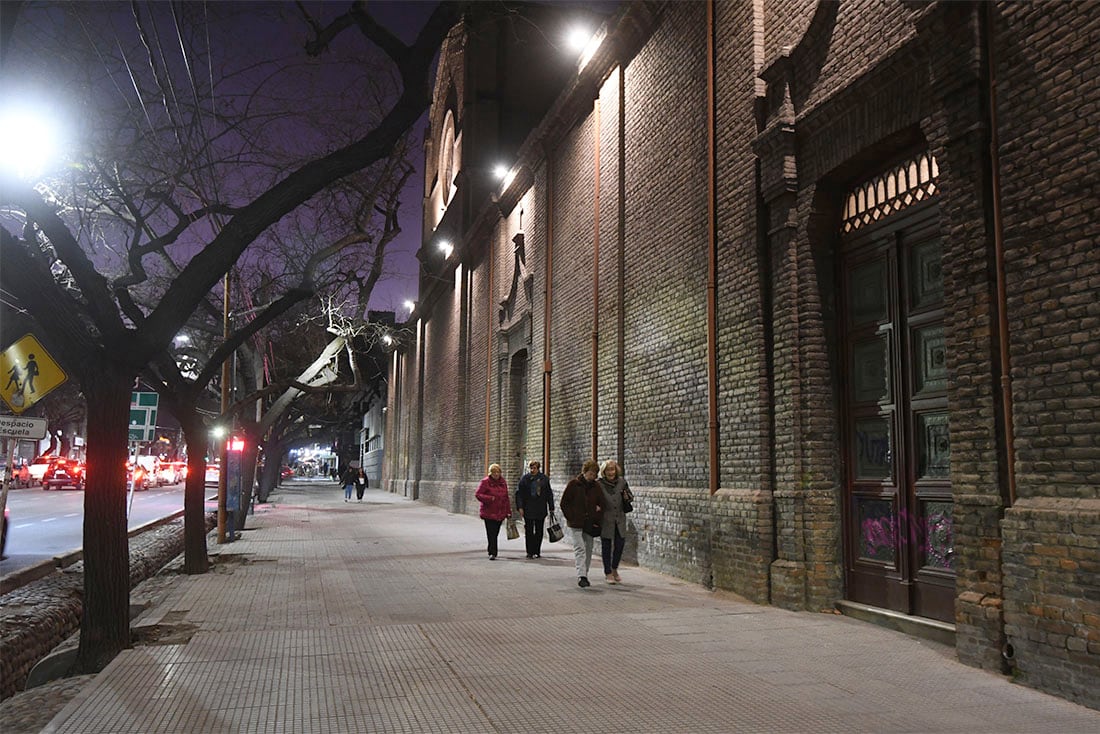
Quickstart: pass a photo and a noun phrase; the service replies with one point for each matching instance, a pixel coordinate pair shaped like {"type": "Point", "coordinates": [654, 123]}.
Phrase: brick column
{"type": "Point", "coordinates": [958, 136]}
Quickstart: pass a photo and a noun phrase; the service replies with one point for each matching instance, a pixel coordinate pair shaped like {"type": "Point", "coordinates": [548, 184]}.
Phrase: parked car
{"type": "Point", "coordinates": [286, 472]}
{"type": "Point", "coordinates": [64, 474]}
{"type": "Point", "coordinates": [213, 474]}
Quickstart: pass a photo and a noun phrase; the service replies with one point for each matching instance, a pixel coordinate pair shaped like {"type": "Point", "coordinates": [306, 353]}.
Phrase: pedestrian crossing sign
{"type": "Point", "coordinates": [29, 372]}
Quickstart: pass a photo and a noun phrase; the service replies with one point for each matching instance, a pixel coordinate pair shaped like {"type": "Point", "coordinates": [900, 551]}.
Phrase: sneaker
{"type": "Point", "coordinates": [618, 578]}
{"type": "Point", "coordinates": [530, 556]}
{"type": "Point", "coordinates": [611, 578]}
{"type": "Point", "coordinates": [583, 582]}
{"type": "Point", "coordinates": [538, 556]}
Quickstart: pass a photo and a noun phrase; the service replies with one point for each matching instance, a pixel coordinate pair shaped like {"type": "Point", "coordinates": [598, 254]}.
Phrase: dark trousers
{"type": "Point", "coordinates": [359, 489]}
{"type": "Point", "coordinates": [612, 552]}
{"type": "Point", "coordinates": [492, 530]}
{"type": "Point", "coordinates": [532, 534]}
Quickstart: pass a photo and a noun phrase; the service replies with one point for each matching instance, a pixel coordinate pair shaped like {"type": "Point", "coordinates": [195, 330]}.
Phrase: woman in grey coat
{"type": "Point", "coordinates": [613, 534]}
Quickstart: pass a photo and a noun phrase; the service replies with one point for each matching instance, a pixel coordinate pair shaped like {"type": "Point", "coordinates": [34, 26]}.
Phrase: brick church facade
{"type": "Point", "coordinates": [822, 276]}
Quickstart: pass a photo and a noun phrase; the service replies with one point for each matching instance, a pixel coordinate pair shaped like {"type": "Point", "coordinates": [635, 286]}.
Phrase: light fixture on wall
{"type": "Point", "coordinates": [446, 248]}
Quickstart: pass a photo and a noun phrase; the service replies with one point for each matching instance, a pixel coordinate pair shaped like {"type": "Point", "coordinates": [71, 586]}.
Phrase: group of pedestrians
{"type": "Point", "coordinates": [594, 503]}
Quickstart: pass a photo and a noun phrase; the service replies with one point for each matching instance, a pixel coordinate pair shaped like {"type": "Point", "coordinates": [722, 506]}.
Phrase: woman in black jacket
{"type": "Point", "coordinates": [534, 500]}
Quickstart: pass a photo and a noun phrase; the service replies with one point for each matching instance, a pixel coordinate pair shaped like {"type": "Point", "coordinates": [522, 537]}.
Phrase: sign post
{"type": "Point", "coordinates": [143, 427]}
{"type": "Point", "coordinates": [29, 372]}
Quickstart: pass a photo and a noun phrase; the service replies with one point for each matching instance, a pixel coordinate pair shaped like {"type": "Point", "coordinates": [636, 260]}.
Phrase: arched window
{"type": "Point", "coordinates": [447, 156]}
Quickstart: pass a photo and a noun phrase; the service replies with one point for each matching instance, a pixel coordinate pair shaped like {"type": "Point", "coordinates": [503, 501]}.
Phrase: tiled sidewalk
{"type": "Point", "coordinates": [386, 616]}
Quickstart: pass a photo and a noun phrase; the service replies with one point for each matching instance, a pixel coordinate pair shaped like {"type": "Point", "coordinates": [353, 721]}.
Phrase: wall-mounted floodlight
{"type": "Point", "coordinates": [577, 38]}
{"type": "Point", "coordinates": [387, 340]}
{"type": "Point", "coordinates": [500, 171]}
{"type": "Point", "coordinates": [410, 306]}
{"type": "Point", "coordinates": [446, 248]}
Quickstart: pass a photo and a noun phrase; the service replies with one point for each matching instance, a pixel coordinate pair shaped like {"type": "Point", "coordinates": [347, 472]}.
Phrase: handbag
{"type": "Point", "coordinates": [554, 531]}
{"type": "Point", "coordinates": [628, 501]}
{"type": "Point", "coordinates": [513, 531]}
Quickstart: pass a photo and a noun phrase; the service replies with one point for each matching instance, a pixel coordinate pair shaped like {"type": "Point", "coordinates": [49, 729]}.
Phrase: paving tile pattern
{"type": "Point", "coordinates": [386, 616]}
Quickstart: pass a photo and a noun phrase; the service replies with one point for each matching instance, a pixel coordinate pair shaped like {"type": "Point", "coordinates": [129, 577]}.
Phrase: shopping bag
{"type": "Point", "coordinates": [513, 531]}
{"type": "Point", "coordinates": [554, 531]}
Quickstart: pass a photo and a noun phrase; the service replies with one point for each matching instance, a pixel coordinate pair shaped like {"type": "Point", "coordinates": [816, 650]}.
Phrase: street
{"type": "Point", "coordinates": [46, 524]}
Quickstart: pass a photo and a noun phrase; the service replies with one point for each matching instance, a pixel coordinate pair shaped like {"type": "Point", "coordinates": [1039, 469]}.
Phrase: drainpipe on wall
{"type": "Point", "coordinates": [712, 258]}
{"type": "Point", "coordinates": [491, 252]}
{"type": "Point", "coordinates": [999, 254]}
{"type": "Point", "coordinates": [546, 366]}
{"type": "Point", "coordinates": [596, 291]}
{"type": "Point", "coordinates": [421, 330]}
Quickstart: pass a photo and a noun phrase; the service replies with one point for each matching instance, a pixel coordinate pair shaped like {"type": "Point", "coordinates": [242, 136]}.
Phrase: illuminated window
{"type": "Point", "coordinates": [890, 192]}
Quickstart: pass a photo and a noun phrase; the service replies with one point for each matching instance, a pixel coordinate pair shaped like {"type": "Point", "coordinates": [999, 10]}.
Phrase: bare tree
{"type": "Point", "coordinates": [54, 248]}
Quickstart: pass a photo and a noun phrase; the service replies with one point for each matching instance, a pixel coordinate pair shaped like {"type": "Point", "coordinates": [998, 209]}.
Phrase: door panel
{"type": "Point", "coordinates": [899, 511]}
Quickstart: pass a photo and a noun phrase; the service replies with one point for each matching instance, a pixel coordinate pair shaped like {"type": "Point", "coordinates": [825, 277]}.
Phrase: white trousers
{"type": "Point", "coordinates": [582, 551]}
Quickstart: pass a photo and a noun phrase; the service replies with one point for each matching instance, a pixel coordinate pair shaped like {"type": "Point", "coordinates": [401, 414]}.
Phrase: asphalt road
{"type": "Point", "coordinates": [46, 524]}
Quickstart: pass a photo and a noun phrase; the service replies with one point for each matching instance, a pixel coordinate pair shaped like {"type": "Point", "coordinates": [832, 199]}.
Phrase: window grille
{"type": "Point", "coordinates": [890, 192]}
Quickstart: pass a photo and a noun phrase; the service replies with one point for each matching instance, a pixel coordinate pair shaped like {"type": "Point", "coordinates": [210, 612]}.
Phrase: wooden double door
{"type": "Point", "coordinates": [898, 507]}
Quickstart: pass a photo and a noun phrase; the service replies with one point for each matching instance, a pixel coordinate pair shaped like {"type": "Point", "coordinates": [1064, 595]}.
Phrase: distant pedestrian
{"type": "Point", "coordinates": [580, 503]}
{"type": "Point", "coordinates": [360, 484]}
{"type": "Point", "coordinates": [534, 501]}
{"type": "Point", "coordinates": [348, 480]}
{"type": "Point", "coordinates": [613, 523]}
{"type": "Point", "coordinates": [496, 506]}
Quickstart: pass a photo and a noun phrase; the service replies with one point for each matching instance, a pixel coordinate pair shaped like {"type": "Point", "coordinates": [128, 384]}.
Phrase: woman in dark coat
{"type": "Point", "coordinates": [534, 501]}
{"type": "Point", "coordinates": [496, 505]}
{"type": "Point", "coordinates": [613, 526]}
{"type": "Point", "coordinates": [580, 503]}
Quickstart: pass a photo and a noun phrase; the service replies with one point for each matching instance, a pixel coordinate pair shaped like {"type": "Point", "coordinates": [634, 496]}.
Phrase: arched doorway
{"type": "Point", "coordinates": [516, 414]}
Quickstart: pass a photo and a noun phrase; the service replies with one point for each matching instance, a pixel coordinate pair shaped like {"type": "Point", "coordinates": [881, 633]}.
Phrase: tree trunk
{"type": "Point", "coordinates": [248, 481]}
{"type": "Point", "coordinates": [273, 464]}
{"type": "Point", "coordinates": [195, 559]}
{"type": "Point", "coordinates": [105, 621]}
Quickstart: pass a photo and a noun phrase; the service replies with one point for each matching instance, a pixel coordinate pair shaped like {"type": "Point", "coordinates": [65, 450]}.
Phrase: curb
{"type": "Point", "coordinates": [42, 569]}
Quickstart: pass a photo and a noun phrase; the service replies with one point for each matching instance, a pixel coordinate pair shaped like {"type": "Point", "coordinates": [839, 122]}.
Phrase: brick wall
{"type": "Point", "coordinates": [862, 83]}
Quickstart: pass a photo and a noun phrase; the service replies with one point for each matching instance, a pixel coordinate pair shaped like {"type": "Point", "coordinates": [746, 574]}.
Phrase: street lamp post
{"type": "Point", "coordinates": [223, 443]}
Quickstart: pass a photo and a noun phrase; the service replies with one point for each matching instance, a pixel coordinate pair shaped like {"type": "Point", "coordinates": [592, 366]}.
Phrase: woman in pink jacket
{"type": "Point", "coordinates": [496, 505]}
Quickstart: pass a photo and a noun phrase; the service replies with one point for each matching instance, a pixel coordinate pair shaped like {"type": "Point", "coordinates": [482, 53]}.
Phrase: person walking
{"type": "Point", "coordinates": [613, 525]}
{"type": "Point", "coordinates": [580, 503]}
{"type": "Point", "coordinates": [496, 505]}
{"type": "Point", "coordinates": [534, 501]}
{"type": "Point", "coordinates": [361, 484]}
{"type": "Point", "coordinates": [348, 481]}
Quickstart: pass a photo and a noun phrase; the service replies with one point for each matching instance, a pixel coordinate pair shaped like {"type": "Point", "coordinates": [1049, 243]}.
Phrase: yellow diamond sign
{"type": "Point", "coordinates": [28, 372]}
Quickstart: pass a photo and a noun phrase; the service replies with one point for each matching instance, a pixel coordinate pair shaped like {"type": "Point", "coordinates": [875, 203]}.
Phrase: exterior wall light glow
{"type": "Point", "coordinates": [410, 306]}
{"type": "Point", "coordinates": [387, 339]}
{"type": "Point", "coordinates": [577, 39]}
{"type": "Point", "coordinates": [446, 248]}
{"type": "Point", "coordinates": [590, 50]}
{"type": "Point", "coordinates": [500, 171]}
